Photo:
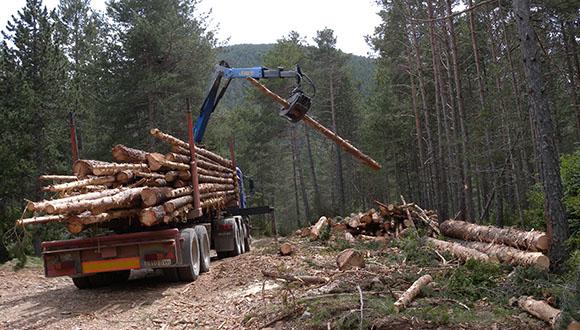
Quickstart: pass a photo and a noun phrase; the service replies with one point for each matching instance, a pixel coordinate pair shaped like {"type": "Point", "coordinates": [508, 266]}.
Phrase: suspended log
{"type": "Point", "coordinates": [41, 206]}
{"type": "Point", "coordinates": [175, 203]}
{"type": "Point", "coordinates": [529, 240]}
{"type": "Point", "coordinates": [124, 199]}
{"type": "Point", "coordinates": [344, 144]}
{"type": "Point", "coordinates": [509, 255]}
{"type": "Point", "coordinates": [125, 154]}
{"type": "Point", "coordinates": [39, 220]}
{"type": "Point", "coordinates": [458, 250]}
{"type": "Point", "coordinates": [545, 312]}
{"type": "Point", "coordinates": [157, 162]}
{"type": "Point", "coordinates": [78, 223]}
{"type": "Point", "coordinates": [411, 293]}
{"type": "Point", "coordinates": [213, 179]}
{"type": "Point", "coordinates": [84, 167]}
{"type": "Point", "coordinates": [175, 141]}
{"type": "Point", "coordinates": [81, 183]}
{"type": "Point", "coordinates": [48, 177]}
{"type": "Point", "coordinates": [317, 228]}
{"type": "Point", "coordinates": [152, 215]}
{"type": "Point", "coordinates": [304, 279]}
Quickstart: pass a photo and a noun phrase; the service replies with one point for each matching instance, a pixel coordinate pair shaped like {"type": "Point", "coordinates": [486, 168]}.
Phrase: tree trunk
{"type": "Point", "coordinates": [508, 255]}
{"type": "Point", "coordinates": [338, 157]}
{"type": "Point", "coordinates": [411, 293]}
{"type": "Point", "coordinates": [528, 240]}
{"type": "Point", "coordinates": [300, 174]}
{"type": "Point", "coordinates": [457, 250]}
{"type": "Point", "coordinates": [545, 312]}
{"type": "Point", "coordinates": [556, 221]}
{"type": "Point", "coordinates": [317, 197]}
{"type": "Point", "coordinates": [571, 78]}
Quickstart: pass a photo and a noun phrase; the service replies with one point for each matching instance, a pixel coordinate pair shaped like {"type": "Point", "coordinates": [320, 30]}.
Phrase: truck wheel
{"type": "Point", "coordinates": [82, 282]}
{"type": "Point", "coordinates": [190, 253]}
{"type": "Point", "coordinates": [237, 240]}
{"type": "Point", "coordinates": [242, 237]}
{"type": "Point", "coordinates": [204, 254]}
{"type": "Point", "coordinates": [247, 239]}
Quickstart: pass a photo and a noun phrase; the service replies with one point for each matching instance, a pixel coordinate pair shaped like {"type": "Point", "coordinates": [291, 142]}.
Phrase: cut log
{"type": "Point", "coordinates": [354, 222]}
{"type": "Point", "coordinates": [122, 199]}
{"type": "Point", "coordinates": [207, 187]}
{"type": "Point", "coordinates": [113, 168]}
{"type": "Point", "coordinates": [78, 223]}
{"type": "Point", "coordinates": [216, 194]}
{"type": "Point", "coordinates": [203, 171]}
{"type": "Point", "coordinates": [367, 217]}
{"type": "Point", "coordinates": [348, 236]}
{"type": "Point", "coordinates": [528, 240]}
{"type": "Point", "coordinates": [545, 312]}
{"type": "Point", "coordinates": [41, 206]}
{"type": "Point", "coordinates": [48, 177]}
{"type": "Point", "coordinates": [155, 183]}
{"type": "Point", "coordinates": [317, 228]}
{"type": "Point", "coordinates": [306, 232]}
{"type": "Point", "coordinates": [180, 192]}
{"type": "Point", "coordinates": [149, 175]}
{"type": "Point", "coordinates": [177, 142]}
{"type": "Point", "coordinates": [171, 176]}
{"type": "Point", "coordinates": [294, 278]}
{"type": "Point", "coordinates": [157, 162]}
{"type": "Point", "coordinates": [350, 258]}
{"type": "Point", "coordinates": [84, 167]}
{"type": "Point", "coordinates": [175, 203]}
{"type": "Point", "coordinates": [212, 179]}
{"type": "Point", "coordinates": [125, 177]}
{"type": "Point", "coordinates": [81, 183]}
{"type": "Point", "coordinates": [177, 157]}
{"type": "Point", "coordinates": [39, 220]}
{"type": "Point", "coordinates": [128, 155]}
{"type": "Point", "coordinates": [185, 175]}
{"type": "Point", "coordinates": [458, 250]}
{"type": "Point", "coordinates": [339, 227]}
{"type": "Point", "coordinates": [411, 293]}
{"type": "Point", "coordinates": [152, 215]}
{"type": "Point", "coordinates": [509, 255]}
{"type": "Point", "coordinates": [286, 249]}
{"type": "Point", "coordinates": [155, 195]}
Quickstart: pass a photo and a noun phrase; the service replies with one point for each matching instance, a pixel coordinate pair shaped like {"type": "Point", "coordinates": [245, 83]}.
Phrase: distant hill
{"type": "Point", "coordinates": [249, 55]}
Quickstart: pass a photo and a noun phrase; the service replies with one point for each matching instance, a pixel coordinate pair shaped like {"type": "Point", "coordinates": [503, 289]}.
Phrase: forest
{"type": "Point", "coordinates": [447, 105]}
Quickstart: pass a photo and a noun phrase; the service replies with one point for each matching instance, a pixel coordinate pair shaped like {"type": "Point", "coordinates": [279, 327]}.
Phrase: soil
{"type": "Point", "coordinates": [232, 295]}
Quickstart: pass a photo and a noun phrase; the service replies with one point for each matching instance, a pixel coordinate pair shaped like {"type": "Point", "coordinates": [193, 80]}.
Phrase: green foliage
{"type": "Point", "coordinates": [472, 280]}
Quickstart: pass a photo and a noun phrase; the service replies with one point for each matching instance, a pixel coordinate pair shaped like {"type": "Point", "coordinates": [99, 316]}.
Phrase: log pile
{"type": "Point", "coordinates": [140, 188]}
{"type": "Point", "coordinates": [392, 220]}
{"type": "Point", "coordinates": [508, 245]}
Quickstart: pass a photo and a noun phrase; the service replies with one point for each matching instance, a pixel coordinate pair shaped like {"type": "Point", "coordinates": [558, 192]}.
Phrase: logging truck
{"type": "Point", "coordinates": [180, 245]}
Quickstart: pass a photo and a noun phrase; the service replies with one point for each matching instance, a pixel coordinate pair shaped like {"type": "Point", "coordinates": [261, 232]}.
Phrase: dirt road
{"type": "Point", "coordinates": [218, 299]}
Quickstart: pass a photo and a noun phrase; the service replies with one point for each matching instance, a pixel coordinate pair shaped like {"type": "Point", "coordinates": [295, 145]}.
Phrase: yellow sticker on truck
{"type": "Point", "coordinates": [111, 265]}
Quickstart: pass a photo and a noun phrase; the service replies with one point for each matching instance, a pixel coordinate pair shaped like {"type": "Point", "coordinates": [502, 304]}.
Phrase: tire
{"type": "Point", "coordinates": [170, 274]}
{"type": "Point", "coordinates": [190, 254]}
{"type": "Point", "coordinates": [204, 248]}
{"type": "Point", "coordinates": [237, 244]}
{"type": "Point", "coordinates": [247, 239]}
{"type": "Point", "coordinates": [242, 237]}
{"type": "Point", "coordinates": [82, 283]}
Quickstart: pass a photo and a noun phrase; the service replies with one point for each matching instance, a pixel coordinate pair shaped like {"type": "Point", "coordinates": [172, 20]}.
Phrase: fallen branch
{"type": "Point", "coordinates": [304, 279]}
{"type": "Point", "coordinates": [411, 293]}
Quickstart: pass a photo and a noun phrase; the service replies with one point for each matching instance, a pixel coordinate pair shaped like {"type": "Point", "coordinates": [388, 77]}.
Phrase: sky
{"type": "Point", "coordinates": [266, 21]}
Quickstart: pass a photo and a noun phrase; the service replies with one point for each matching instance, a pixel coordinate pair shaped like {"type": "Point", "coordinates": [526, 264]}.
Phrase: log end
{"type": "Point", "coordinates": [74, 226]}
{"type": "Point", "coordinates": [286, 249]}
{"type": "Point", "coordinates": [155, 161]}
{"type": "Point", "coordinates": [543, 262]}
{"type": "Point", "coordinates": [543, 243]}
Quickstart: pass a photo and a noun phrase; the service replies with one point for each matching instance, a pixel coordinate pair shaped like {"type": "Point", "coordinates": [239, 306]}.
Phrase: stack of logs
{"type": "Point", "coordinates": [486, 243]}
{"type": "Point", "coordinates": [390, 220]}
{"type": "Point", "coordinates": [150, 187]}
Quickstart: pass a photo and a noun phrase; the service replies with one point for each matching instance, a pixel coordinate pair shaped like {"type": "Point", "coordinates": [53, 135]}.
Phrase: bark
{"type": "Point", "coordinates": [545, 312]}
{"type": "Point", "coordinates": [212, 179]}
{"type": "Point", "coordinates": [40, 220]}
{"type": "Point", "coordinates": [300, 174]}
{"type": "Point", "coordinates": [296, 189]}
{"type": "Point", "coordinates": [152, 215]}
{"type": "Point", "coordinates": [125, 177]}
{"type": "Point", "coordinates": [158, 162]}
{"type": "Point", "coordinates": [556, 221]}
{"type": "Point", "coordinates": [123, 199]}
{"type": "Point", "coordinates": [509, 255]}
{"type": "Point", "coordinates": [128, 155]}
{"type": "Point", "coordinates": [411, 293]}
{"type": "Point", "coordinates": [172, 176]}
{"type": "Point", "coordinates": [84, 167]}
{"type": "Point", "coordinates": [176, 203]}
{"type": "Point", "coordinates": [317, 199]}
{"type": "Point", "coordinates": [58, 177]}
{"type": "Point", "coordinates": [457, 250]}
{"type": "Point", "coordinates": [178, 158]}
{"type": "Point", "coordinates": [81, 183]}
{"type": "Point", "coordinates": [527, 240]}
{"type": "Point", "coordinates": [317, 228]}
{"type": "Point", "coordinates": [207, 187]}
{"type": "Point", "coordinates": [571, 79]}
{"type": "Point", "coordinates": [78, 223]}
{"type": "Point", "coordinates": [155, 195]}
{"type": "Point", "coordinates": [41, 206]}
